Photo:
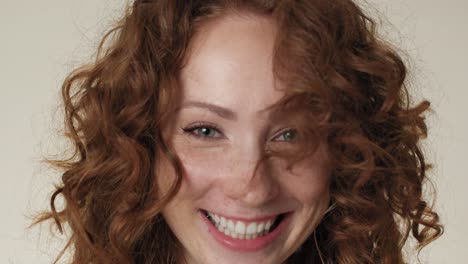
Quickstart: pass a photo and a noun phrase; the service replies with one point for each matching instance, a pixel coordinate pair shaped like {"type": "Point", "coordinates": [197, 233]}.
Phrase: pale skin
{"type": "Point", "coordinates": [221, 131]}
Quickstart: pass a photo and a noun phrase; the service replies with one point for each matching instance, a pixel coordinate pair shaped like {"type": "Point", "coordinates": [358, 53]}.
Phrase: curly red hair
{"type": "Point", "coordinates": [328, 52]}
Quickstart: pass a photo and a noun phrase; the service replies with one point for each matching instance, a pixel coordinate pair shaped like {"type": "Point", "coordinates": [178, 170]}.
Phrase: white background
{"type": "Point", "coordinates": [41, 41]}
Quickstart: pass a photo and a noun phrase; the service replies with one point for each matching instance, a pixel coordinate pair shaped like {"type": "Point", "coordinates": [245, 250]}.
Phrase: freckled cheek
{"type": "Point", "coordinates": [310, 186]}
{"type": "Point", "coordinates": [204, 166]}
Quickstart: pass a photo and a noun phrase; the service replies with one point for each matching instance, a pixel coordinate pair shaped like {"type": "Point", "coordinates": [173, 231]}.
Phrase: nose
{"type": "Point", "coordinates": [251, 179]}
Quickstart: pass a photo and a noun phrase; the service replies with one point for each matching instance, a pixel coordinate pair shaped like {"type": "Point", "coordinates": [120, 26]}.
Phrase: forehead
{"type": "Point", "coordinates": [230, 63]}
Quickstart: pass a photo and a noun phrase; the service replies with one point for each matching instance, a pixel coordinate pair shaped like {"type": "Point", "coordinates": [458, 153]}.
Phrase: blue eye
{"type": "Point", "coordinates": [287, 135]}
{"type": "Point", "coordinates": [203, 131]}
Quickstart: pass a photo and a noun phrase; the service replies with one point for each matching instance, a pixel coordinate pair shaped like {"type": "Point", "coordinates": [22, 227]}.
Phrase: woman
{"type": "Point", "coordinates": [228, 131]}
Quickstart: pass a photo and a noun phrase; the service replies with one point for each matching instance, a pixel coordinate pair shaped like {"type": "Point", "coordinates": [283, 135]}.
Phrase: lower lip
{"type": "Point", "coordinates": [245, 244]}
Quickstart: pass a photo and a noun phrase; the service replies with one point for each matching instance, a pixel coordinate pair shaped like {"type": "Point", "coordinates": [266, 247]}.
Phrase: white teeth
{"type": "Point", "coordinates": [260, 227]}
{"type": "Point", "coordinates": [239, 229]}
{"type": "Point", "coordinates": [251, 229]}
{"type": "Point", "coordinates": [268, 225]}
{"type": "Point", "coordinates": [230, 225]}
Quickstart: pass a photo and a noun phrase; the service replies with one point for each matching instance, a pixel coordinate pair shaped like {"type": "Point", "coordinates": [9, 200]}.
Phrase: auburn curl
{"type": "Point", "coordinates": [328, 53]}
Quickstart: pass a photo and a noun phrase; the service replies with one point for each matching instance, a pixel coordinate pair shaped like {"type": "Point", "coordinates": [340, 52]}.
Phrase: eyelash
{"type": "Point", "coordinates": [191, 131]}
{"type": "Point", "coordinates": [284, 131]}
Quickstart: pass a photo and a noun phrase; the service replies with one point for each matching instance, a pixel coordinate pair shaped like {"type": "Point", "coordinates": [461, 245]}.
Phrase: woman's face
{"type": "Point", "coordinates": [227, 211]}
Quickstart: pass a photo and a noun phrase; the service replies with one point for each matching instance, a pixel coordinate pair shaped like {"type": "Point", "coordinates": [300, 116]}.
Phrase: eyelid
{"type": "Point", "coordinates": [281, 132]}
{"type": "Point", "coordinates": [191, 128]}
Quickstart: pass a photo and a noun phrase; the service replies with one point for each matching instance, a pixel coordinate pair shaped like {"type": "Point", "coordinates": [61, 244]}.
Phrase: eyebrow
{"type": "Point", "coordinates": [219, 110]}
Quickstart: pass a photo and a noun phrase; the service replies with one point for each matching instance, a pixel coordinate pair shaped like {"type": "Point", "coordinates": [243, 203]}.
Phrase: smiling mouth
{"type": "Point", "coordinates": [239, 229]}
